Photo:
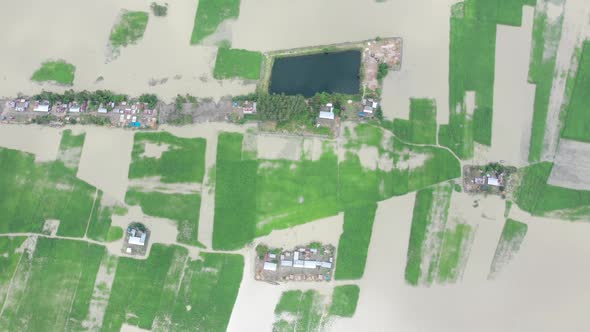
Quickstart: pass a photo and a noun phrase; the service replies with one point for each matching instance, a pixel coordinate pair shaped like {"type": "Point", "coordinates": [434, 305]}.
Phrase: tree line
{"type": "Point", "coordinates": [94, 97]}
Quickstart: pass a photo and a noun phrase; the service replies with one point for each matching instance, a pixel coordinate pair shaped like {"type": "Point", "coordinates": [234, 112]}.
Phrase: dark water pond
{"type": "Point", "coordinates": [325, 72]}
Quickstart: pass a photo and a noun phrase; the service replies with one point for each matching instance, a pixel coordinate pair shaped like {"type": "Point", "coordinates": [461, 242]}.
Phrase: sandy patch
{"type": "Point", "coordinates": [369, 155]}
{"type": "Point", "coordinates": [513, 95]}
{"type": "Point", "coordinates": [50, 227]}
{"type": "Point", "coordinates": [43, 142]}
{"type": "Point", "coordinates": [574, 31]}
{"type": "Point", "coordinates": [152, 150]}
{"type": "Point", "coordinates": [543, 288]}
{"type": "Point", "coordinates": [131, 328]}
{"type": "Point", "coordinates": [469, 101]}
{"type": "Point", "coordinates": [153, 183]}
{"type": "Point", "coordinates": [163, 53]}
{"type": "Point", "coordinates": [571, 168]}
{"type": "Point", "coordinates": [313, 147]}
{"type": "Point", "coordinates": [412, 160]}
{"type": "Point", "coordinates": [279, 147]}
{"type": "Point", "coordinates": [254, 308]}
{"type": "Point", "coordinates": [70, 157]}
{"type": "Point", "coordinates": [105, 160]}
{"type": "Point", "coordinates": [101, 293]}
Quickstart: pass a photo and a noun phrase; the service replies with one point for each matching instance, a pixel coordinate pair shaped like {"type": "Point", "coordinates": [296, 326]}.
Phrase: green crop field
{"type": "Point", "coordinates": [534, 195]}
{"type": "Point", "coordinates": [473, 31]}
{"type": "Point", "coordinates": [184, 161]}
{"type": "Point", "coordinates": [235, 63]}
{"type": "Point", "coordinates": [59, 71]}
{"type": "Point", "coordinates": [210, 14]}
{"type": "Point", "coordinates": [344, 300]}
{"type": "Point", "coordinates": [182, 208]}
{"type": "Point", "coordinates": [129, 29]}
{"type": "Point", "coordinates": [353, 245]}
{"type": "Point", "coordinates": [34, 192]}
{"type": "Point", "coordinates": [510, 241]}
{"type": "Point", "coordinates": [305, 308]}
{"type": "Point", "coordinates": [70, 149]}
{"type": "Point", "coordinates": [546, 36]}
{"type": "Point", "coordinates": [9, 260]}
{"type": "Point", "coordinates": [451, 260]}
{"type": "Point", "coordinates": [51, 290]}
{"type": "Point", "coordinates": [421, 127]}
{"type": "Point", "coordinates": [235, 195]}
{"type": "Point", "coordinates": [158, 291]}
{"type": "Point", "coordinates": [577, 122]}
{"type": "Point", "coordinates": [100, 220]}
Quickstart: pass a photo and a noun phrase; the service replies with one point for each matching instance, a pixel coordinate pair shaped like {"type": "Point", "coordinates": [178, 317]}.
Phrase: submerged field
{"type": "Point", "coordinates": [59, 72]}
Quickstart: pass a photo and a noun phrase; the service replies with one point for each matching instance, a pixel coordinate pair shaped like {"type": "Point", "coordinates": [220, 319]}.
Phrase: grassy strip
{"type": "Point", "coordinates": [158, 290]}
{"type": "Point", "coordinates": [183, 162]}
{"type": "Point", "coordinates": [305, 308]}
{"type": "Point", "coordinates": [450, 263]}
{"type": "Point", "coordinates": [231, 63]}
{"type": "Point", "coordinates": [344, 300]}
{"type": "Point", "coordinates": [512, 236]}
{"type": "Point", "coordinates": [129, 29]}
{"type": "Point", "coordinates": [100, 220]}
{"type": "Point", "coordinates": [577, 122]}
{"type": "Point", "coordinates": [115, 233]}
{"type": "Point", "coordinates": [53, 288]}
{"type": "Point", "coordinates": [70, 149]}
{"type": "Point", "coordinates": [353, 245]}
{"type": "Point", "coordinates": [55, 71]}
{"type": "Point", "coordinates": [473, 29]}
{"type": "Point", "coordinates": [182, 208]}
{"type": "Point", "coordinates": [546, 36]}
{"type": "Point", "coordinates": [421, 128]}
{"type": "Point", "coordinates": [8, 262]}
{"type": "Point", "coordinates": [235, 195]}
{"type": "Point", "coordinates": [210, 14]}
{"type": "Point", "coordinates": [420, 223]}
{"type": "Point", "coordinates": [31, 193]}
{"type": "Point", "coordinates": [534, 195]}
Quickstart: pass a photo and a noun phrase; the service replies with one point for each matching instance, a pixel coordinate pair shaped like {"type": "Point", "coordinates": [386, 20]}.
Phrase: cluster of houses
{"type": "Point", "coordinates": [130, 114]}
{"type": "Point", "coordinates": [314, 263]}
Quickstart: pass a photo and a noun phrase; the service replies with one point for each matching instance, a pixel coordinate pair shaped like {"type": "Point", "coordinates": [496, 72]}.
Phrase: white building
{"type": "Point", "coordinates": [102, 110]}
{"type": "Point", "coordinates": [75, 109]}
{"type": "Point", "coordinates": [42, 107]}
{"type": "Point", "coordinates": [327, 115]}
{"type": "Point", "coordinates": [493, 182]}
{"type": "Point", "coordinates": [270, 266]}
{"type": "Point", "coordinates": [138, 241]}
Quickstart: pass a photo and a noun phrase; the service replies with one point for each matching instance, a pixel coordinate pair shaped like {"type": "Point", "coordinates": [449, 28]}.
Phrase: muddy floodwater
{"type": "Point", "coordinates": [324, 72]}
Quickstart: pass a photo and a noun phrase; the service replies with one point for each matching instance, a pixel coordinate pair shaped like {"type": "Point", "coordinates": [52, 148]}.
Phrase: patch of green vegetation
{"type": "Point", "coordinates": [534, 195]}
{"type": "Point", "coordinates": [306, 309]}
{"type": "Point", "coordinates": [100, 220]}
{"type": "Point", "coordinates": [577, 122]}
{"type": "Point", "coordinates": [159, 10]}
{"type": "Point", "coordinates": [31, 193]}
{"type": "Point", "coordinates": [115, 233]}
{"type": "Point", "coordinates": [353, 245]}
{"type": "Point", "coordinates": [182, 208]}
{"type": "Point", "coordinates": [421, 128]}
{"type": "Point", "coordinates": [174, 291]}
{"type": "Point", "coordinates": [70, 149]}
{"type": "Point", "coordinates": [235, 194]}
{"type": "Point", "coordinates": [293, 192]}
{"type": "Point", "coordinates": [210, 14]}
{"type": "Point", "coordinates": [507, 208]}
{"type": "Point", "coordinates": [9, 260]}
{"type": "Point", "coordinates": [129, 29]}
{"type": "Point", "coordinates": [52, 289]}
{"type": "Point", "coordinates": [427, 200]}
{"type": "Point", "coordinates": [55, 71]}
{"type": "Point", "coordinates": [183, 162]}
{"type": "Point", "coordinates": [451, 260]}
{"type": "Point", "coordinates": [546, 36]}
{"type": "Point", "coordinates": [473, 30]}
{"type": "Point", "coordinates": [382, 71]}
{"type": "Point", "coordinates": [512, 236]}
{"type": "Point", "coordinates": [231, 63]}
{"type": "Point", "coordinates": [344, 300]}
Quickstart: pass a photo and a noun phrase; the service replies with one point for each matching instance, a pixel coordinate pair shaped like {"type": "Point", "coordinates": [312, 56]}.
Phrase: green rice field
{"type": "Point", "coordinates": [183, 161]}
{"type": "Point", "coordinates": [421, 127]}
{"type": "Point", "coordinates": [344, 300]}
{"type": "Point", "coordinates": [577, 121]}
{"type": "Point", "coordinates": [236, 63]}
{"type": "Point", "coordinates": [59, 72]}
{"type": "Point", "coordinates": [305, 308]}
{"type": "Point", "coordinates": [513, 234]}
{"type": "Point", "coordinates": [210, 14]}
{"type": "Point", "coordinates": [129, 29]}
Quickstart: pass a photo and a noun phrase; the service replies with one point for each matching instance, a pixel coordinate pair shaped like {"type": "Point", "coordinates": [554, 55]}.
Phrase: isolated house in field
{"type": "Point", "coordinates": [137, 240]}
{"type": "Point", "coordinates": [493, 182]}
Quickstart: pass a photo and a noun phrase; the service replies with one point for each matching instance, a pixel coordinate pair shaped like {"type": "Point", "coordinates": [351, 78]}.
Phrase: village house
{"type": "Point", "coordinates": [41, 106]}
{"type": "Point", "coordinates": [327, 112]}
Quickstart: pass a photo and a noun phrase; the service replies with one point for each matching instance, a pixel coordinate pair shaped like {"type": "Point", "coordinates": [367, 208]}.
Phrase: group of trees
{"type": "Point", "coordinates": [159, 10]}
{"type": "Point", "coordinates": [97, 97]}
{"type": "Point", "coordinates": [283, 109]}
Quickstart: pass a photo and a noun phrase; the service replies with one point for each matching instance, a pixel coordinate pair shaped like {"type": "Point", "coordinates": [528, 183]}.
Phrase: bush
{"type": "Point", "coordinates": [159, 10]}
{"type": "Point", "coordinates": [383, 71]}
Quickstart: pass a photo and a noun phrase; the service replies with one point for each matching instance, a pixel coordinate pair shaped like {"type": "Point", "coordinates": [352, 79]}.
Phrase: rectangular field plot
{"type": "Point", "coordinates": [51, 289]}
